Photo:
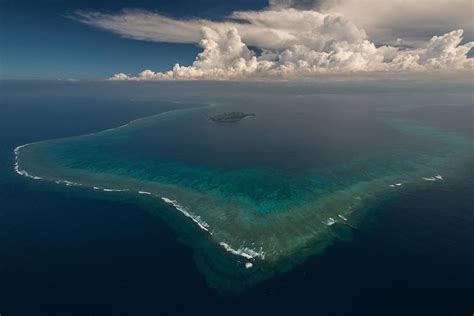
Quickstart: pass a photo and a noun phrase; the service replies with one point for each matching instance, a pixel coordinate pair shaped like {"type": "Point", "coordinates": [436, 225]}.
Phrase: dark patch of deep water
{"type": "Point", "coordinates": [65, 253]}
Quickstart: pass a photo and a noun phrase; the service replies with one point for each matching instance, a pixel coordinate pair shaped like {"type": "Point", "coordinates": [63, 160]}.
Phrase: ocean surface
{"type": "Point", "coordinates": [68, 250]}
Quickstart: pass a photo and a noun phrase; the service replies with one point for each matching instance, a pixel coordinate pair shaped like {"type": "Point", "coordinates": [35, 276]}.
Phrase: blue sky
{"type": "Point", "coordinates": [38, 40]}
{"type": "Point", "coordinates": [212, 39]}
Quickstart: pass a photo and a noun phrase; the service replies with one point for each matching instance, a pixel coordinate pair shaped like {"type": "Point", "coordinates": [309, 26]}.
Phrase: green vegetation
{"type": "Point", "coordinates": [230, 117]}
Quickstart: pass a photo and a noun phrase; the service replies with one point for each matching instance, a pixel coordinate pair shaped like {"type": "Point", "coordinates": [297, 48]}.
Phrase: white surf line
{"type": "Point", "coordinates": [196, 218]}
{"type": "Point", "coordinates": [346, 221]}
{"type": "Point", "coordinates": [67, 183]}
{"type": "Point", "coordinates": [398, 184]}
{"type": "Point", "coordinates": [342, 217]}
{"type": "Point", "coordinates": [437, 177]}
{"type": "Point", "coordinates": [144, 192]}
{"type": "Point", "coordinates": [329, 222]}
{"type": "Point", "coordinates": [109, 190]}
{"type": "Point", "coordinates": [244, 252]}
{"type": "Point", "coordinates": [17, 164]}
{"type": "Point", "coordinates": [28, 175]}
{"type": "Point", "coordinates": [70, 183]}
{"type": "Point", "coordinates": [115, 190]}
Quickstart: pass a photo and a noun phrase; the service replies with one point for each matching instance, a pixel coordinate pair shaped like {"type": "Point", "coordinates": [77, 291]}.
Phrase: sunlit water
{"type": "Point", "coordinates": [262, 194]}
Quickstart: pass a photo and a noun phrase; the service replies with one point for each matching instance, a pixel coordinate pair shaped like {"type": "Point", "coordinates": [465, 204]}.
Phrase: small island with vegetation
{"type": "Point", "coordinates": [230, 117]}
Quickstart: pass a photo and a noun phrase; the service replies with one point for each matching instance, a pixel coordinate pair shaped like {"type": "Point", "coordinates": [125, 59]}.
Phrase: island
{"type": "Point", "coordinates": [230, 117]}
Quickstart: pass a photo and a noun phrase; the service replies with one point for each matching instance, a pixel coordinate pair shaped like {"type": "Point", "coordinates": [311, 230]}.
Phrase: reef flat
{"type": "Point", "coordinates": [258, 197]}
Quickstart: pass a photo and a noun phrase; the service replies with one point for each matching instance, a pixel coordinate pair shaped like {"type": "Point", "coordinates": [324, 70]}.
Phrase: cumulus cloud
{"type": "Point", "coordinates": [291, 43]}
{"type": "Point", "coordinates": [388, 20]}
{"type": "Point", "coordinates": [270, 29]}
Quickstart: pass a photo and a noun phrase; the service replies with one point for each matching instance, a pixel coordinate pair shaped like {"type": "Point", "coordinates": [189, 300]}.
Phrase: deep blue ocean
{"type": "Point", "coordinates": [64, 252]}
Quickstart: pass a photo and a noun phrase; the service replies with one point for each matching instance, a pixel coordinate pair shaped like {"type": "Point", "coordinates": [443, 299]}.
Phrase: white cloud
{"type": "Point", "coordinates": [265, 29]}
{"type": "Point", "coordinates": [293, 43]}
{"type": "Point", "coordinates": [280, 29]}
{"type": "Point", "coordinates": [144, 25]}
{"type": "Point", "coordinates": [445, 52]}
{"type": "Point", "coordinates": [387, 20]}
{"type": "Point", "coordinates": [301, 4]}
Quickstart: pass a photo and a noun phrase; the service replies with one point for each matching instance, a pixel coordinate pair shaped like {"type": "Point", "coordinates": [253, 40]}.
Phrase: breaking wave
{"type": "Point", "coordinates": [17, 164]}
{"type": "Point", "coordinates": [244, 251]}
{"type": "Point", "coordinates": [197, 219]}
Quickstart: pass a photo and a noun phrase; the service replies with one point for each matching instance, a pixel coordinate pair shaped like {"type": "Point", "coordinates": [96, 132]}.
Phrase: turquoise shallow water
{"type": "Point", "coordinates": [262, 194]}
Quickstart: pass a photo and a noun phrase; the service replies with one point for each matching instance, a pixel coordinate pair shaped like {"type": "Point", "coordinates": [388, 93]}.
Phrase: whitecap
{"type": "Point", "coordinates": [114, 190]}
{"type": "Point", "coordinates": [329, 222]}
{"type": "Point", "coordinates": [342, 217]}
{"type": "Point", "coordinates": [244, 251]}
{"type": "Point", "coordinates": [144, 192]}
{"type": "Point", "coordinates": [68, 183]}
{"type": "Point", "coordinates": [17, 164]}
{"type": "Point", "coordinates": [197, 219]}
